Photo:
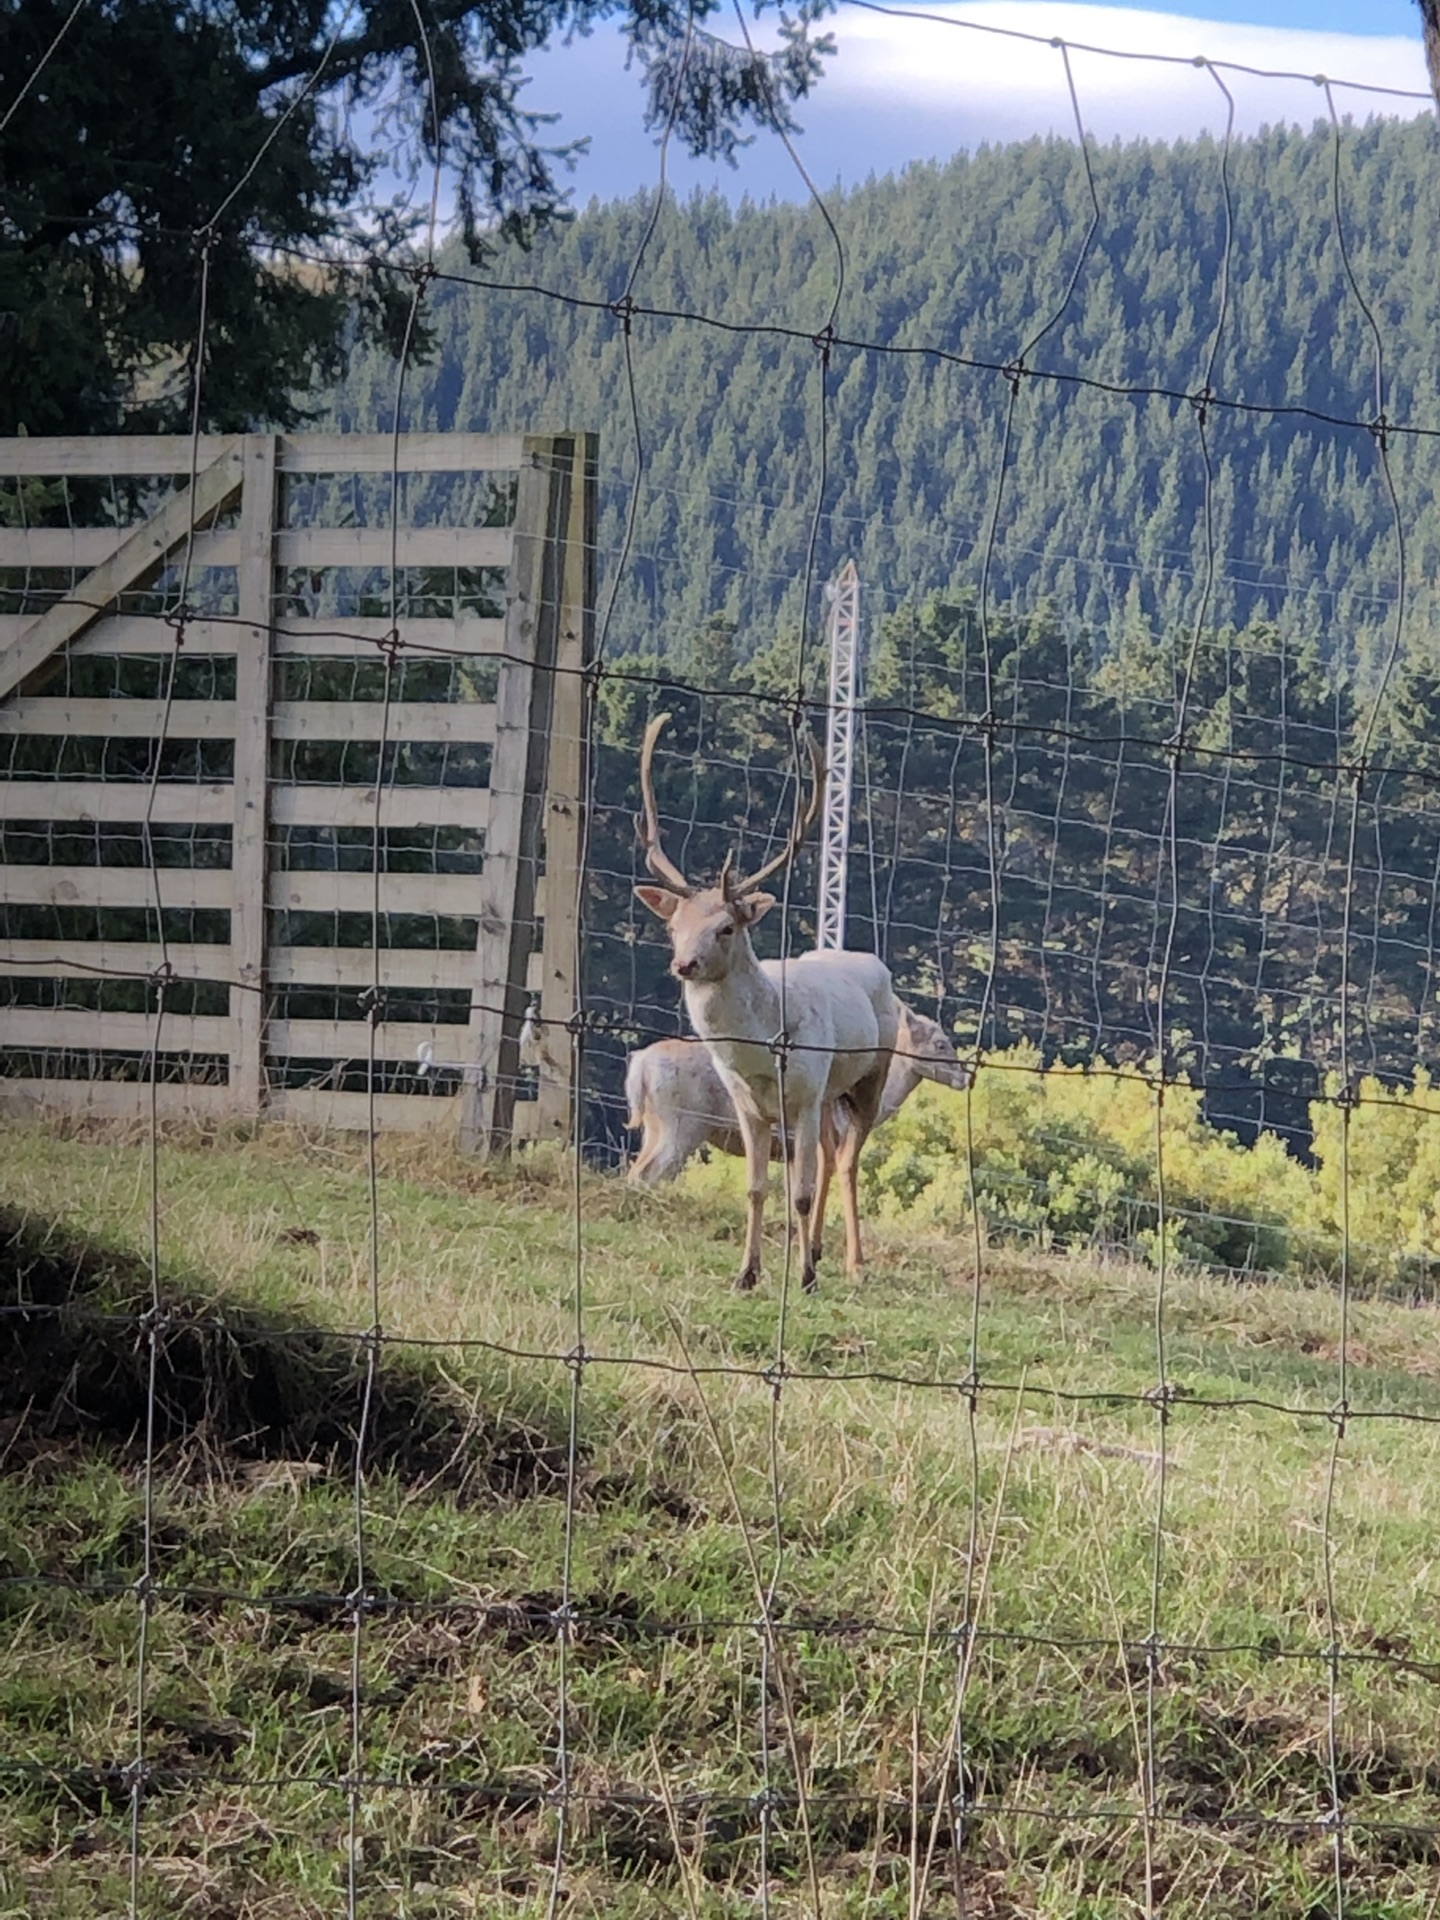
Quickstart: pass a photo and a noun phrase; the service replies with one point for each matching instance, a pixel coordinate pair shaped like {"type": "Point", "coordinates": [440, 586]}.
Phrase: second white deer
{"type": "Point", "coordinates": [678, 1103]}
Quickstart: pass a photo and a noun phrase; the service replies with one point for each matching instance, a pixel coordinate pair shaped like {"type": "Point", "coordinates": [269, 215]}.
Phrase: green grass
{"type": "Point", "coordinates": [898, 1513]}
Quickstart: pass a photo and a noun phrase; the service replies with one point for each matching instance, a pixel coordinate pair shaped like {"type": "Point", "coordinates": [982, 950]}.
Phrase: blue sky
{"type": "Point", "coordinates": [905, 90]}
{"type": "Point", "coordinates": [1324, 16]}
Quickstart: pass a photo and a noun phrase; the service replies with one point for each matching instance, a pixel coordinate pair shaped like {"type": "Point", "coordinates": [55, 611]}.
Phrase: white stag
{"type": "Point", "coordinates": [786, 1037]}
{"type": "Point", "coordinates": [678, 1103]}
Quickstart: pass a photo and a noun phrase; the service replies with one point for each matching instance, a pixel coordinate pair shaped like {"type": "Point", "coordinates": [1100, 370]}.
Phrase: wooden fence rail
{"type": "Point", "coordinates": [222, 762]}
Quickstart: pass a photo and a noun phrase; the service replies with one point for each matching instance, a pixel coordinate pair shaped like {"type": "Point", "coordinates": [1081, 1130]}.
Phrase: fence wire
{"type": "Point", "coordinates": [956, 751]}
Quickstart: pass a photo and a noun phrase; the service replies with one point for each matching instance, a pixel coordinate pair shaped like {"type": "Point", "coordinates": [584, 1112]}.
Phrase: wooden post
{"type": "Point", "coordinates": [250, 852]}
{"type": "Point", "coordinates": [524, 705]}
{"type": "Point", "coordinates": [567, 791]}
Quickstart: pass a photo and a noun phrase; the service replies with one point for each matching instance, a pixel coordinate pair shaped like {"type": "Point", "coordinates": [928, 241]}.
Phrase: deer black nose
{"type": "Point", "coordinates": [686, 969]}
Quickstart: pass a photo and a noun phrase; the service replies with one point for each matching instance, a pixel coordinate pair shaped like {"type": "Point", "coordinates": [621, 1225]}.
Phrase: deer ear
{"type": "Point", "coordinates": [751, 907]}
{"type": "Point", "coordinates": [660, 901]}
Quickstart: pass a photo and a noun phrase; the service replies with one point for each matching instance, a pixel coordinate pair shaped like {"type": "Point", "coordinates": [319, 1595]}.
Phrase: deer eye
{"type": "Point", "coordinates": [725, 932]}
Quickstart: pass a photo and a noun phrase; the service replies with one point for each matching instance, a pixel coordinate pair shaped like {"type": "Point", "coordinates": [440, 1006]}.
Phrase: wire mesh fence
{"type": "Point", "coordinates": [1174, 890]}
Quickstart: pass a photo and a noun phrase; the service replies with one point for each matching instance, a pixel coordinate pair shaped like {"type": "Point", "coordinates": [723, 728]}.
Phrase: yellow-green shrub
{"type": "Point", "coordinates": [1394, 1176]}
{"type": "Point", "coordinates": [1066, 1157]}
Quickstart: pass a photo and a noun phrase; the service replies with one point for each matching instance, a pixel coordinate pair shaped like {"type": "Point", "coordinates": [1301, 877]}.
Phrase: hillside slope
{"type": "Point", "coordinates": [1102, 501]}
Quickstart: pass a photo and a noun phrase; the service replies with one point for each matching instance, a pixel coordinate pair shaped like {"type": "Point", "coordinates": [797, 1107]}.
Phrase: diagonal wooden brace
{"type": "Point", "coordinates": [138, 558]}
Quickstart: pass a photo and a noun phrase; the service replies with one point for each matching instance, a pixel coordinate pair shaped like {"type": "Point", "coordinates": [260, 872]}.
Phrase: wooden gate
{"type": "Point", "coordinates": [258, 705]}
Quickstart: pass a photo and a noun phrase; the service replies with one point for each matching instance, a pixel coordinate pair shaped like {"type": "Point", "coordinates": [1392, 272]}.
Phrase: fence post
{"type": "Point", "coordinates": [250, 856]}
{"type": "Point", "coordinates": [524, 709]}
{"type": "Point", "coordinates": [555, 977]}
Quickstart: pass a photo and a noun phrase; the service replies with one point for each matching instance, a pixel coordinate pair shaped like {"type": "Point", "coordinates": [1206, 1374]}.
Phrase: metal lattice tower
{"type": "Point", "coordinates": [839, 757]}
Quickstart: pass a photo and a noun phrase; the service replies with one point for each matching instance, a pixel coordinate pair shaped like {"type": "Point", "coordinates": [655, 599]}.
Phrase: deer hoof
{"type": "Point", "coordinates": [809, 1281]}
{"type": "Point", "coordinates": [747, 1279]}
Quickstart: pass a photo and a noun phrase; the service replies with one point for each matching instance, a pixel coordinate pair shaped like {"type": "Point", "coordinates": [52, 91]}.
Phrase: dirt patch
{"type": "Point", "coordinates": [80, 1332]}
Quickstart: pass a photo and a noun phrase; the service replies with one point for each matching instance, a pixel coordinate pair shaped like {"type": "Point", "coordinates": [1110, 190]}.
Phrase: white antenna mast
{"type": "Point", "coordinates": [839, 757]}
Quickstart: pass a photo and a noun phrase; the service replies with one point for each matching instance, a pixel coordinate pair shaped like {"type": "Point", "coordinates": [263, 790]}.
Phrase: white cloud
{"type": "Point", "coordinates": [992, 84]}
{"type": "Point", "coordinates": [904, 89]}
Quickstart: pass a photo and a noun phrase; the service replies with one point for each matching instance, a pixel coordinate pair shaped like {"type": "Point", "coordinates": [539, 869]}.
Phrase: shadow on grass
{"type": "Point", "coordinates": [231, 1385]}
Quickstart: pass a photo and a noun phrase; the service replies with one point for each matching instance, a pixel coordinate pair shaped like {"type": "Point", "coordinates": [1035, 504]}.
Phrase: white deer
{"type": "Point", "coordinates": [786, 1037]}
{"type": "Point", "coordinates": [678, 1103]}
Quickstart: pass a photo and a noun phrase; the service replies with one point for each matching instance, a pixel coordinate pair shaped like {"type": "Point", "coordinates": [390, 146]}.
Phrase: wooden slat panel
{"type": "Point", "coordinates": [375, 453]}
{"type": "Point", "coordinates": [343, 638]}
{"type": "Point", "coordinates": [353, 967]}
{"type": "Point", "coordinates": [394, 1112]}
{"type": "Point", "coordinates": [174, 803]}
{"type": "Point", "coordinates": [104, 454]}
{"type": "Point", "coordinates": [115, 886]}
{"type": "Point", "coordinates": [117, 958]}
{"type": "Point", "coordinates": [93, 1031]}
{"type": "Point", "coordinates": [90, 547]}
{"type": "Point", "coordinates": [444, 893]}
{"type": "Point", "coordinates": [350, 1040]}
{"type": "Point", "coordinates": [127, 719]}
{"type": "Point", "coordinates": [115, 1099]}
{"type": "Point", "coordinates": [374, 546]}
{"type": "Point", "coordinates": [399, 806]}
{"type": "Point", "coordinates": [340, 638]}
{"type": "Point", "coordinates": [132, 633]}
{"type": "Point", "coordinates": [470, 722]}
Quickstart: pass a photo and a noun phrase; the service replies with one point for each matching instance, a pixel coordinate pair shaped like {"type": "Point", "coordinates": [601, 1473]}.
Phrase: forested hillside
{"type": "Point", "coordinates": [1021, 742]}
{"type": "Point", "coordinates": [1101, 508]}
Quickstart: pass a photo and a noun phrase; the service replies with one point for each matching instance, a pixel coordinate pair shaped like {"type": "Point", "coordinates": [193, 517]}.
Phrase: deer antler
{"type": "Point", "coordinates": [735, 889]}
{"type": "Point", "coordinates": [648, 825]}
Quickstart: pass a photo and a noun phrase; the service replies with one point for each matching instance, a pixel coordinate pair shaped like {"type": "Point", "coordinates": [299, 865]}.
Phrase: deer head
{"type": "Point", "coordinates": [707, 924]}
{"type": "Point", "coordinates": [928, 1050]}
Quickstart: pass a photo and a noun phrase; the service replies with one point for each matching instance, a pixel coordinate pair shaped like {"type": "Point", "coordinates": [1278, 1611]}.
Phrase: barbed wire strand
{"type": "Point", "coordinates": [1356, 786]}
{"type": "Point", "coordinates": [1013, 376]}
{"type": "Point", "coordinates": [374, 1002]}
{"type": "Point", "coordinates": [1169, 862]}
{"type": "Point", "coordinates": [41, 64]}
{"type": "Point", "coordinates": [801, 1227]}
{"type": "Point", "coordinates": [594, 670]}
{"type": "Point", "coordinates": [162, 977]}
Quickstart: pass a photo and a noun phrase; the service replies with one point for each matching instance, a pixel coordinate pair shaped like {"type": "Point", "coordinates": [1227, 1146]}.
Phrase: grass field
{"type": "Point", "coordinates": [865, 1757]}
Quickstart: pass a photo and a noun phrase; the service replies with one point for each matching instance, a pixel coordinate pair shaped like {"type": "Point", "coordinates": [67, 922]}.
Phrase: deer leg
{"type": "Point", "coordinates": [828, 1141]}
{"type": "Point", "coordinates": [803, 1181]}
{"type": "Point", "coordinates": [863, 1104]}
{"type": "Point", "coordinates": [642, 1168]}
{"type": "Point", "coordinates": [847, 1160]}
{"type": "Point", "coordinates": [756, 1135]}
